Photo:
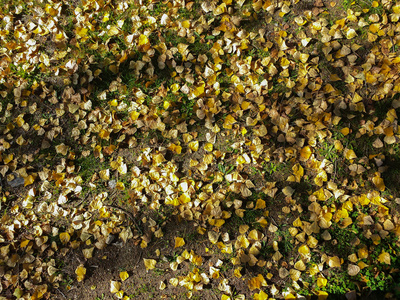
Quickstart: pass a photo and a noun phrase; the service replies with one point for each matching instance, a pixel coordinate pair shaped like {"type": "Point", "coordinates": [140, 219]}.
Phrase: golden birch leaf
{"type": "Point", "coordinates": [114, 286]}
{"type": "Point", "coordinates": [105, 174]}
{"type": "Point", "coordinates": [179, 242]}
{"type": "Point", "coordinates": [304, 249]}
{"type": "Point", "coordinates": [237, 273]}
{"type": "Point", "coordinates": [321, 282]}
{"type": "Point", "coordinates": [338, 145]}
{"type": "Point", "coordinates": [162, 285]}
{"type": "Point", "coordinates": [134, 115]}
{"type": "Point", "coordinates": [322, 295]}
{"type": "Point", "coordinates": [143, 40]}
{"type": "Point", "coordinates": [305, 153]}
{"type": "Point", "coordinates": [378, 182]}
{"type": "Point", "coordinates": [119, 294]}
{"type": "Point", "coordinates": [229, 121]}
{"type": "Point", "coordinates": [64, 237]}
{"type": "Point", "coordinates": [260, 296]}
{"type": "Point", "coordinates": [299, 265]}
{"type": "Point", "coordinates": [149, 263]}
{"type": "Point", "coordinates": [80, 272]}
{"type": "Point", "coordinates": [208, 147]}
{"type": "Point", "coordinates": [213, 236]}
{"type": "Point", "coordinates": [288, 191]}
{"type": "Point", "coordinates": [194, 146]}
{"type": "Point", "coordinates": [334, 262]}
{"type": "Point", "coordinates": [297, 223]}
{"type": "Point", "coordinates": [353, 270]}
{"type": "Point", "coordinates": [377, 143]}
{"type": "Point", "coordinates": [88, 253]}
{"type": "Point", "coordinates": [349, 154]}
{"type": "Point", "coordinates": [260, 204]}
{"type": "Point", "coordinates": [384, 257]}
{"type": "Point", "coordinates": [351, 33]}
{"type": "Point", "coordinates": [256, 282]}
{"type": "Point", "coordinates": [123, 275]}
{"type": "Point", "coordinates": [388, 225]}
{"type": "Point", "coordinates": [29, 180]}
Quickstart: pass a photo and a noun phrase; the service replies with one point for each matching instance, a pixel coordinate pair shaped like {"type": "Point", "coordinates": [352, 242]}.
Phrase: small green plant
{"type": "Point", "coordinates": [285, 241]}
{"type": "Point", "coordinates": [328, 151]}
{"type": "Point", "coordinates": [225, 169]}
{"type": "Point", "coordinates": [159, 272]}
{"type": "Point", "coordinates": [339, 283]}
{"type": "Point", "coordinates": [272, 167]}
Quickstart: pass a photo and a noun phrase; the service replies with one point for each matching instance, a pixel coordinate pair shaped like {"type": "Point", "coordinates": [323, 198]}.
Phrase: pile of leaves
{"type": "Point", "coordinates": [269, 126]}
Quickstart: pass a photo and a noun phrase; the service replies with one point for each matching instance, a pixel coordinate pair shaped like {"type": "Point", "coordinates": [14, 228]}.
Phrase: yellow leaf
{"type": "Point", "coordinates": [80, 272]}
{"type": "Point", "coordinates": [149, 263]}
{"type": "Point", "coordinates": [321, 282]}
{"type": "Point", "coordinates": [213, 236]}
{"type": "Point", "coordinates": [113, 31]}
{"type": "Point", "coordinates": [305, 153]}
{"type": "Point", "coordinates": [353, 270]}
{"type": "Point", "coordinates": [208, 147]}
{"type": "Point", "coordinates": [384, 257]}
{"type": "Point", "coordinates": [29, 180]}
{"type": "Point", "coordinates": [124, 275]}
{"type": "Point", "coordinates": [229, 121]}
{"type": "Point", "coordinates": [179, 242]}
{"type": "Point", "coordinates": [298, 171]}
{"type": "Point", "coordinates": [378, 182]}
{"type": "Point", "coordinates": [143, 40]}
{"type": "Point", "coordinates": [290, 296]}
{"type": "Point", "coordinates": [194, 146]}
{"type": "Point", "coordinates": [8, 158]}
{"type": "Point", "coordinates": [338, 145]}
{"type": "Point", "coordinates": [322, 295]}
{"type": "Point", "coordinates": [243, 229]}
{"type": "Point", "coordinates": [134, 115]}
{"type": "Point", "coordinates": [113, 102]}
{"type": "Point", "coordinates": [299, 265]}
{"type": "Point", "coordinates": [119, 294]}
{"type": "Point", "coordinates": [162, 285]}
{"type": "Point", "coordinates": [297, 223]}
{"type": "Point", "coordinates": [24, 243]}
{"type": "Point", "coordinates": [345, 131]}
{"type": "Point", "coordinates": [64, 237]}
{"type": "Point", "coordinates": [105, 174]}
{"type": "Point", "coordinates": [351, 33]}
{"type": "Point", "coordinates": [349, 154]}
{"type": "Point", "coordinates": [88, 253]}
{"type": "Point", "coordinates": [257, 282]}
{"type": "Point", "coordinates": [260, 204]}
{"type": "Point", "coordinates": [334, 262]}
{"type": "Point", "coordinates": [237, 273]}
{"type": "Point", "coordinates": [81, 32]}
{"type": "Point", "coordinates": [304, 249]}
{"type": "Point", "coordinates": [255, 235]}
{"type": "Point", "coordinates": [260, 296]}
{"type": "Point", "coordinates": [114, 286]}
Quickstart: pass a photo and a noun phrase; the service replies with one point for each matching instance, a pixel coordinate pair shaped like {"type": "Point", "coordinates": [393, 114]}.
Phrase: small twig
{"type": "Point", "coordinates": [140, 257]}
{"type": "Point", "coordinates": [83, 200]}
{"type": "Point", "coordinates": [274, 221]}
{"type": "Point", "coordinates": [128, 213]}
{"type": "Point", "coordinates": [61, 293]}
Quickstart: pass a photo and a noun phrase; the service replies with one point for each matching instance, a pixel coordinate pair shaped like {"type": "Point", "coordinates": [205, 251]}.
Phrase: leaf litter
{"type": "Point", "coordinates": [275, 147]}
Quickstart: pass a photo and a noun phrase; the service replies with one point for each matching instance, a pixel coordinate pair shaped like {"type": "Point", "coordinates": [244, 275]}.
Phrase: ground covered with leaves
{"type": "Point", "coordinates": [206, 150]}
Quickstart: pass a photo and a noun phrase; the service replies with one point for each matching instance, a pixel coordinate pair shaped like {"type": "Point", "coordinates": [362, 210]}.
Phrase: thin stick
{"type": "Point", "coordinates": [61, 293]}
